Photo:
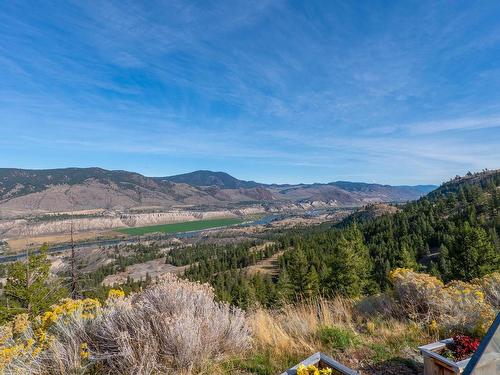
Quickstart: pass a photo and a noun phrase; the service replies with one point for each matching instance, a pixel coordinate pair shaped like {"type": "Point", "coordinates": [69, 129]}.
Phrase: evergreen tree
{"type": "Point", "coordinates": [28, 288]}
{"type": "Point", "coordinates": [444, 263]}
{"type": "Point", "coordinates": [313, 285]}
{"type": "Point", "coordinates": [284, 288]}
{"type": "Point", "coordinates": [406, 259]}
{"type": "Point", "coordinates": [473, 254]}
{"type": "Point", "coordinates": [244, 295]}
{"type": "Point", "coordinates": [351, 265]}
{"type": "Point", "coordinates": [434, 270]}
{"type": "Point", "coordinates": [298, 271]}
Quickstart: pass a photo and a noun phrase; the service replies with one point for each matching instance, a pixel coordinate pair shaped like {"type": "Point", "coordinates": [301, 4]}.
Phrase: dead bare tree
{"type": "Point", "coordinates": [74, 275]}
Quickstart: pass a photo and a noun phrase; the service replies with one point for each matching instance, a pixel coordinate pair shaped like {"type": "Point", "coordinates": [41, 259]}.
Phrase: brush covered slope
{"type": "Point", "coordinates": [74, 189]}
{"type": "Point", "coordinates": [176, 326]}
{"type": "Point", "coordinates": [209, 178]}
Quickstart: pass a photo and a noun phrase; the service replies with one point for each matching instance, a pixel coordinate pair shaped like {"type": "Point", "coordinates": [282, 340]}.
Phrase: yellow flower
{"type": "Point", "coordinates": [48, 318]}
{"type": "Point", "coordinates": [302, 370]}
{"type": "Point", "coordinates": [20, 323]}
{"type": "Point", "coordinates": [433, 327]}
{"type": "Point", "coordinates": [9, 353]}
{"type": "Point", "coordinates": [29, 343]}
{"type": "Point", "coordinates": [116, 293]}
{"type": "Point", "coordinates": [84, 350]}
{"type": "Point", "coordinates": [479, 295]}
{"type": "Point", "coordinates": [312, 370]}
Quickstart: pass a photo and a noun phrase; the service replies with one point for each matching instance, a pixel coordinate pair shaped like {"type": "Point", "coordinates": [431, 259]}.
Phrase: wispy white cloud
{"type": "Point", "coordinates": [430, 127]}
{"type": "Point", "coordinates": [326, 86]}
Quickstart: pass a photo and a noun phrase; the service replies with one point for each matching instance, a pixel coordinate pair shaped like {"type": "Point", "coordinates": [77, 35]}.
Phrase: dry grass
{"type": "Point", "coordinates": [292, 329]}
{"type": "Point", "coordinates": [19, 244]}
{"type": "Point", "coordinates": [335, 327]}
{"type": "Point", "coordinates": [268, 266]}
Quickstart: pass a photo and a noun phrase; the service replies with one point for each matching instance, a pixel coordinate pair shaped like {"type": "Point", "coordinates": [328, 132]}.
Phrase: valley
{"type": "Point", "coordinates": [268, 257]}
{"type": "Point", "coordinates": [97, 205]}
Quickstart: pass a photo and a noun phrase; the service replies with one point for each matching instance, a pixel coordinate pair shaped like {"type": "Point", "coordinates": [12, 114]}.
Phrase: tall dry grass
{"type": "Point", "coordinates": [296, 331]}
{"type": "Point", "coordinates": [293, 327]}
{"type": "Point", "coordinates": [419, 310]}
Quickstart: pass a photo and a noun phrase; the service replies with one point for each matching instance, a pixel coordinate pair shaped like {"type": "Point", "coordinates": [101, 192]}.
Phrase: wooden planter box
{"type": "Point", "coordinates": [436, 364]}
{"type": "Point", "coordinates": [321, 360]}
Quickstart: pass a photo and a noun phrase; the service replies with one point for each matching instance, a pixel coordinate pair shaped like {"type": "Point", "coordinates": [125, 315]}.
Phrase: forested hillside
{"type": "Point", "coordinates": [451, 234]}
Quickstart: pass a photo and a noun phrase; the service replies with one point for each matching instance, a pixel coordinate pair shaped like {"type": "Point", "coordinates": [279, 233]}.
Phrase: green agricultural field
{"type": "Point", "coordinates": [181, 227]}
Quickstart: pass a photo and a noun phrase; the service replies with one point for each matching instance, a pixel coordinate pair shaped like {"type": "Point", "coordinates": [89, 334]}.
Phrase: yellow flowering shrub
{"type": "Point", "coordinates": [76, 336]}
{"type": "Point", "coordinates": [20, 323]}
{"type": "Point", "coordinates": [9, 353]}
{"type": "Point", "coordinates": [456, 305]}
{"type": "Point", "coordinates": [15, 340]}
{"type": "Point", "coordinates": [490, 286]}
{"type": "Point", "coordinates": [86, 307]}
{"type": "Point", "coordinates": [21, 339]}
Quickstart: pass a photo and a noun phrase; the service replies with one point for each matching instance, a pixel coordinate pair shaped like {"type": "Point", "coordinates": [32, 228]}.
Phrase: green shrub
{"type": "Point", "coordinates": [262, 363]}
{"type": "Point", "coordinates": [337, 337]}
{"type": "Point", "coordinates": [380, 352]}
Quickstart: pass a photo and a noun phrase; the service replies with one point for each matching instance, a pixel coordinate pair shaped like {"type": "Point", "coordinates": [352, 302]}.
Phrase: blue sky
{"type": "Point", "coordinates": [273, 91]}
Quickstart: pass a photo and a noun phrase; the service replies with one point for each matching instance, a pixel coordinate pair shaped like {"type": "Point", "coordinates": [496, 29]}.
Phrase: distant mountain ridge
{"type": "Point", "coordinates": [209, 178]}
{"type": "Point", "coordinates": [24, 191]}
{"type": "Point", "coordinates": [224, 180]}
{"type": "Point", "coordinates": [16, 182]}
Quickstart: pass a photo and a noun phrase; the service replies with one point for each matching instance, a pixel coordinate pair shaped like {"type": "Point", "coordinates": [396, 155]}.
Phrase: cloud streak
{"type": "Point", "coordinates": [320, 88]}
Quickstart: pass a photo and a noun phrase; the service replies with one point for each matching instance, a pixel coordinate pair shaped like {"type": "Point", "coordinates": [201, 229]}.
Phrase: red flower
{"type": "Point", "coordinates": [464, 346]}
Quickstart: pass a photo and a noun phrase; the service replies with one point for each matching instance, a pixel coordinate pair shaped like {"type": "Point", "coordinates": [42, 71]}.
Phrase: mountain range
{"type": "Point", "coordinates": [24, 191]}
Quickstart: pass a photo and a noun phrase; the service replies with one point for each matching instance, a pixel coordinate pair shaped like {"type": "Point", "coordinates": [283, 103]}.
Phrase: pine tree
{"type": "Point", "coordinates": [284, 288]}
{"type": "Point", "coordinates": [473, 254]}
{"type": "Point", "coordinates": [444, 263]}
{"type": "Point", "coordinates": [313, 287]}
{"type": "Point", "coordinates": [434, 270]}
{"type": "Point", "coordinates": [351, 265]}
{"type": "Point", "coordinates": [298, 271]}
{"type": "Point", "coordinates": [244, 295]}
{"type": "Point", "coordinates": [406, 258]}
{"type": "Point", "coordinates": [28, 288]}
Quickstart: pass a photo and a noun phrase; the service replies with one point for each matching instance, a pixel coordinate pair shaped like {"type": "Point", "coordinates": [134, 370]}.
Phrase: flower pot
{"type": "Point", "coordinates": [323, 361]}
{"type": "Point", "coordinates": [436, 364]}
